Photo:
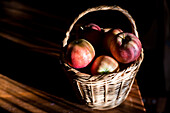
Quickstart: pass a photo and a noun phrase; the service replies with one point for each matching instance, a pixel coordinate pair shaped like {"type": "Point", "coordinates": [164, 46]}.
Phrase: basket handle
{"type": "Point", "coordinates": [100, 8]}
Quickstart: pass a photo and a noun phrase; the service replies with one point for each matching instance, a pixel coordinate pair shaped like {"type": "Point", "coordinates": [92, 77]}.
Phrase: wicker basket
{"type": "Point", "coordinates": [109, 90]}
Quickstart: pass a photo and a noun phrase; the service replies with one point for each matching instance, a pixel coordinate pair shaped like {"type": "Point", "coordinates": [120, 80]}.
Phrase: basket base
{"type": "Point", "coordinates": [115, 102]}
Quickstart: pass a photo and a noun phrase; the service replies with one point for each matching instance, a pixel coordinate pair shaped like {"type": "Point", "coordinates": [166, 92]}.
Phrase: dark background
{"type": "Point", "coordinates": [27, 26]}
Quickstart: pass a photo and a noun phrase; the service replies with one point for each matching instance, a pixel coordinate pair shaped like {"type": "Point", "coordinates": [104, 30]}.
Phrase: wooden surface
{"type": "Point", "coordinates": [16, 97]}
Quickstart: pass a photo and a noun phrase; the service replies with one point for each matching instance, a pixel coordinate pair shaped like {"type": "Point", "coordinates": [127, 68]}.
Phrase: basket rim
{"type": "Point", "coordinates": [88, 79]}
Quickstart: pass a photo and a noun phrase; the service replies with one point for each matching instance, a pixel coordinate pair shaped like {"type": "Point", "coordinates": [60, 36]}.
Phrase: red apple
{"type": "Point", "coordinates": [79, 53]}
{"type": "Point", "coordinates": [108, 37]}
{"type": "Point", "coordinates": [104, 65]}
{"type": "Point", "coordinates": [125, 47]}
{"type": "Point", "coordinates": [93, 34]}
{"type": "Point", "coordinates": [93, 26]}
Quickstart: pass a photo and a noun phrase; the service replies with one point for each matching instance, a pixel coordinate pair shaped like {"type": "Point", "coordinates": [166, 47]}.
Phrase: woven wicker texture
{"type": "Point", "coordinates": [108, 90]}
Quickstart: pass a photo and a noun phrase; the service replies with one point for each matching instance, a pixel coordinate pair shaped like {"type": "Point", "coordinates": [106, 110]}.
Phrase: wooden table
{"type": "Point", "coordinates": [16, 97]}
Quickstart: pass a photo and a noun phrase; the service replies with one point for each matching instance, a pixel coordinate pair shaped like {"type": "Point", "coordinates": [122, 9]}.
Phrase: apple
{"type": "Point", "coordinates": [93, 34]}
{"type": "Point", "coordinates": [125, 47]}
{"type": "Point", "coordinates": [93, 27]}
{"type": "Point", "coordinates": [104, 65]}
{"type": "Point", "coordinates": [108, 37]}
{"type": "Point", "coordinates": [79, 53]}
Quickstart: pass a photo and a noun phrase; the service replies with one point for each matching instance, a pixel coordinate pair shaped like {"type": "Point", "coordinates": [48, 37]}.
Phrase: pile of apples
{"type": "Point", "coordinates": [114, 46]}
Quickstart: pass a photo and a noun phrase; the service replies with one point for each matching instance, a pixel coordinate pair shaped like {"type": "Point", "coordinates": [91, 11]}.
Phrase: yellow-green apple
{"type": "Point", "coordinates": [108, 37]}
{"type": "Point", "coordinates": [104, 65]}
{"type": "Point", "coordinates": [93, 34]}
{"type": "Point", "coordinates": [79, 53]}
{"type": "Point", "coordinates": [125, 47]}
